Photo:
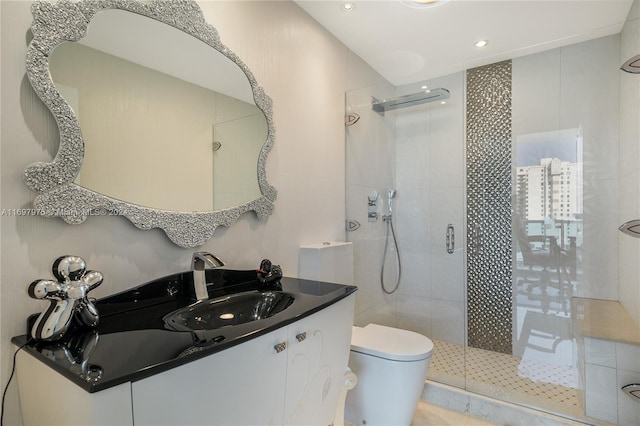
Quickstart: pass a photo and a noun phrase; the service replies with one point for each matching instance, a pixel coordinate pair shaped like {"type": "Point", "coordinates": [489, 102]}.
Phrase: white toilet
{"type": "Point", "coordinates": [391, 367]}
{"type": "Point", "coordinates": [390, 364]}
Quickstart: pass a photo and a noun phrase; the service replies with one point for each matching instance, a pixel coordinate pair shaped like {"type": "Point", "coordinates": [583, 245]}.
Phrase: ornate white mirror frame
{"type": "Point", "coordinates": [59, 196]}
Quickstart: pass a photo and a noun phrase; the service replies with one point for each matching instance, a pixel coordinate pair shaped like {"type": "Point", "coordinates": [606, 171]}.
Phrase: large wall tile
{"type": "Point", "coordinates": [629, 248]}
{"type": "Point", "coordinates": [628, 406]}
{"type": "Point", "coordinates": [600, 352]}
{"type": "Point", "coordinates": [601, 393]}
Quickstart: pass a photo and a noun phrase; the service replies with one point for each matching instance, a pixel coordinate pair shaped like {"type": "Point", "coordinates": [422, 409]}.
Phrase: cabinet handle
{"type": "Point", "coordinates": [280, 347]}
{"type": "Point", "coordinates": [300, 337]}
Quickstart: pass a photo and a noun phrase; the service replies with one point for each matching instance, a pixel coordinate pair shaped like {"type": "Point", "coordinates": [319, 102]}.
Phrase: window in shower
{"type": "Point", "coordinates": [547, 234]}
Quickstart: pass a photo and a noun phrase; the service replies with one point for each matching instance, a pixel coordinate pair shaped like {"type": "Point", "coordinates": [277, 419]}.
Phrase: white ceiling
{"type": "Point", "coordinates": [407, 45]}
{"type": "Point", "coordinates": [166, 49]}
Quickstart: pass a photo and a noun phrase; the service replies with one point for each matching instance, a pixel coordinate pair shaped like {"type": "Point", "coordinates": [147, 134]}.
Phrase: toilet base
{"type": "Point", "coordinates": [387, 392]}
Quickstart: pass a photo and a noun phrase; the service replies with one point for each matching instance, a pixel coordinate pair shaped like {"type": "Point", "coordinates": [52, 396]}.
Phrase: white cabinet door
{"type": "Point", "coordinates": [242, 385]}
{"type": "Point", "coordinates": [50, 399]}
{"type": "Point", "coordinates": [318, 354]}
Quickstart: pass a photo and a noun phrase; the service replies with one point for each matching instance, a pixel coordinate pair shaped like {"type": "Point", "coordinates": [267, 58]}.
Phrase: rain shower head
{"type": "Point", "coordinates": [409, 100]}
{"type": "Point", "coordinates": [392, 193]}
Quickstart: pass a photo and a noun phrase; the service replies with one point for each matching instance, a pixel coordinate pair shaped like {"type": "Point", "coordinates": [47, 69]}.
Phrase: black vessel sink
{"type": "Point", "coordinates": [229, 310]}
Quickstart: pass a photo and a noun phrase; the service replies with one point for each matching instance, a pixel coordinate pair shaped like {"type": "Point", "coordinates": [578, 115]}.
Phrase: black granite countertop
{"type": "Point", "coordinates": [132, 341]}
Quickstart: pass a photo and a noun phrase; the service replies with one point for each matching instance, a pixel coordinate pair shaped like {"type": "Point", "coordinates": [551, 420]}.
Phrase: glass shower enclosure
{"type": "Point", "coordinates": [505, 214]}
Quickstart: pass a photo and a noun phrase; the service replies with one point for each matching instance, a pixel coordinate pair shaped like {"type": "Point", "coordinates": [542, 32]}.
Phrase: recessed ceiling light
{"type": "Point", "coordinates": [424, 87]}
{"type": "Point", "coordinates": [443, 102]}
{"type": "Point", "coordinates": [347, 7]}
{"type": "Point", "coordinates": [481, 43]}
{"type": "Point", "coordinates": [422, 4]}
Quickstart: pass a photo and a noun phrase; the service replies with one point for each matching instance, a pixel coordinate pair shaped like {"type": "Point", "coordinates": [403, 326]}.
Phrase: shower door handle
{"type": "Point", "coordinates": [450, 239]}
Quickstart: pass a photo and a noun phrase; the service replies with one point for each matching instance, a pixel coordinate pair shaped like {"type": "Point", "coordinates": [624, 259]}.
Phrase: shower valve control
{"type": "Point", "coordinates": [372, 214]}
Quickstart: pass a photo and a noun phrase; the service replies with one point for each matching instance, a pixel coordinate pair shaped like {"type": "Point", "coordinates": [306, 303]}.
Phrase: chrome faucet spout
{"type": "Point", "coordinates": [202, 261]}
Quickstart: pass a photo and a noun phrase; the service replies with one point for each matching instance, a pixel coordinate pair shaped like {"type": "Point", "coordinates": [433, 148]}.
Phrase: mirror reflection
{"type": "Point", "coordinates": [158, 133]}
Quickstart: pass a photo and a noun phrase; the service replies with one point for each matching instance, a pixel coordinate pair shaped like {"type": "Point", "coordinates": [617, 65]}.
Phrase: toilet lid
{"type": "Point", "coordinates": [390, 343]}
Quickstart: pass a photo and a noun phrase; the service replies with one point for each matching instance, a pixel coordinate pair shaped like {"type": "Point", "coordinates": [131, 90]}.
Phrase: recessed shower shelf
{"type": "Point", "coordinates": [633, 390]}
{"type": "Point", "coordinates": [381, 106]}
{"type": "Point", "coordinates": [631, 228]}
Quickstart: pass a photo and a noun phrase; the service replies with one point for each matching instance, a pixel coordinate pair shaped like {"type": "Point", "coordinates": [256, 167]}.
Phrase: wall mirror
{"type": "Point", "coordinates": [159, 121]}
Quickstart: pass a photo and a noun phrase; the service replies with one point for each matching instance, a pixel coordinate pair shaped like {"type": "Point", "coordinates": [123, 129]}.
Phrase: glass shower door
{"type": "Point", "coordinates": [419, 152]}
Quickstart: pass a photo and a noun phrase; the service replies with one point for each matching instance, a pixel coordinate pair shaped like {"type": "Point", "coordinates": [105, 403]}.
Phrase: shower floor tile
{"type": "Point", "coordinates": [529, 382]}
{"type": "Point", "coordinates": [447, 363]}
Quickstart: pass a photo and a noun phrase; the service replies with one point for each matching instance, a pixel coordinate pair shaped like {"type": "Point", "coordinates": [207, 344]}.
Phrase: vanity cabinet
{"type": "Point", "coordinates": [316, 363]}
{"type": "Point", "coordinates": [243, 385]}
{"type": "Point", "coordinates": [49, 398]}
{"type": "Point", "coordinates": [291, 375]}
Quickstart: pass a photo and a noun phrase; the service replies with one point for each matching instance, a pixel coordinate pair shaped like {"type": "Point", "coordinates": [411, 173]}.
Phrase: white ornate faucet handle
{"type": "Point", "coordinates": [69, 298]}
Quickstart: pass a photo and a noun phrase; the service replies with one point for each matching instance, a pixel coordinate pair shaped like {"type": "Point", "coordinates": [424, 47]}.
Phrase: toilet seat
{"type": "Point", "coordinates": [390, 343]}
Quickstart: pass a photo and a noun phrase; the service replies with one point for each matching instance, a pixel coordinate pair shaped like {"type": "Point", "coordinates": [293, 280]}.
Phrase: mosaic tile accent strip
{"type": "Point", "coordinates": [489, 273]}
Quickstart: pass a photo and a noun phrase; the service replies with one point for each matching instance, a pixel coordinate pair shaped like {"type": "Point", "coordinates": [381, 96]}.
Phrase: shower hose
{"type": "Point", "coordinates": [384, 257]}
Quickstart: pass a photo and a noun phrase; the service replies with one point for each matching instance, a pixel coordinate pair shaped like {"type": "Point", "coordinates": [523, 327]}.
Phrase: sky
{"type": "Point", "coordinates": [529, 153]}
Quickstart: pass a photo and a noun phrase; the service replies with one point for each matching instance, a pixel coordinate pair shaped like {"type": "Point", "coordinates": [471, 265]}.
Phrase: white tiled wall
{"type": "Point", "coordinates": [576, 87]}
{"type": "Point", "coordinates": [629, 248]}
{"type": "Point", "coordinates": [627, 357]}
{"type": "Point", "coordinates": [611, 365]}
{"type": "Point", "coordinates": [608, 367]}
{"type": "Point", "coordinates": [370, 162]}
{"type": "Point", "coordinates": [628, 372]}
{"type": "Point", "coordinates": [601, 392]}
{"type": "Point", "coordinates": [420, 152]}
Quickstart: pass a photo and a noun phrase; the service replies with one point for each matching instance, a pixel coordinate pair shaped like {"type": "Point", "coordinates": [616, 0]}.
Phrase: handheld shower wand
{"type": "Point", "coordinates": [390, 196]}
{"type": "Point", "coordinates": [388, 218]}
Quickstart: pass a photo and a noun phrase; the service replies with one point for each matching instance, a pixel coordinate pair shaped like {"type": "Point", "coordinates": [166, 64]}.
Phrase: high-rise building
{"type": "Point", "coordinates": [548, 197]}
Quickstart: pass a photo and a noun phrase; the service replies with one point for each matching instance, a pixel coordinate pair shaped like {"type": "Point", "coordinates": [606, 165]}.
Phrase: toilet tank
{"type": "Point", "coordinates": [328, 261]}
